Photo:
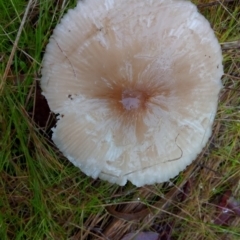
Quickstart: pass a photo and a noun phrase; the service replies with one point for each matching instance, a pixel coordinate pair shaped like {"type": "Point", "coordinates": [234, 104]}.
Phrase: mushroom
{"type": "Point", "coordinates": [135, 85]}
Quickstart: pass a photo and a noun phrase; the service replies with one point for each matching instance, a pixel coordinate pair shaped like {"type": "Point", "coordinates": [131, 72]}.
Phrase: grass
{"type": "Point", "coordinates": [43, 196]}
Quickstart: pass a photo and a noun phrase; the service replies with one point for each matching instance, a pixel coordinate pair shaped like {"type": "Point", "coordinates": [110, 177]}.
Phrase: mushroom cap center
{"type": "Point", "coordinates": [133, 99]}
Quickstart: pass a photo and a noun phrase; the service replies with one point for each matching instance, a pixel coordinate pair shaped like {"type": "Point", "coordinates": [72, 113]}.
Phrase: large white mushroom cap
{"type": "Point", "coordinates": [135, 84]}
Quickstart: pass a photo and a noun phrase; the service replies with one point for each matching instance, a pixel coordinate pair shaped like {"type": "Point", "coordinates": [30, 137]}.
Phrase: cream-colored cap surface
{"type": "Point", "coordinates": [135, 84]}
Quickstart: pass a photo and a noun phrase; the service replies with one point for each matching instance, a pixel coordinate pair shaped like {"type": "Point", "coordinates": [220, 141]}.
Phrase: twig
{"type": "Point", "coordinates": [204, 5]}
{"type": "Point", "coordinates": [231, 45]}
{"type": "Point", "coordinates": [10, 60]}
